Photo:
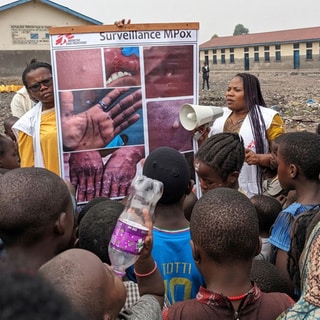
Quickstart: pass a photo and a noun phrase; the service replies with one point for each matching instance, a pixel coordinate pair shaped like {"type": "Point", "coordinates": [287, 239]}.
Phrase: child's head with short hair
{"type": "Point", "coordinates": [274, 151]}
{"type": "Point", "coordinates": [224, 225]}
{"type": "Point", "coordinates": [267, 209]}
{"type": "Point", "coordinates": [298, 156]}
{"type": "Point", "coordinates": [36, 210]}
{"type": "Point", "coordinates": [25, 296]}
{"type": "Point", "coordinates": [171, 168]}
{"type": "Point", "coordinates": [92, 287]}
{"type": "Point", "coordinates": [85, 208]}
{"type": "Point", "coordinates": [268, 277]}
{"type": "Point", "coordinates": [3, 171]}
{"type": "Point", "coordinates": [96, 227]}
{"type": "Point", "coordinates": [188, 204]}
{"type": "Point", "coordinates": [269, 173]}
{"type": "Point", "coordinates": [219, 161]}
{"type": "Point", "coordinates": [7, 124]}
{"type": "Point", "coordinates": [9, 156]}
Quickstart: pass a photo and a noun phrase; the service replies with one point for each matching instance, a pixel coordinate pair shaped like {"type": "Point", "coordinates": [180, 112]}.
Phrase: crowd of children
{"type": "Point", "coordinates": [218, 276]}
{"type": "Point", "coordinates": [223, 256]}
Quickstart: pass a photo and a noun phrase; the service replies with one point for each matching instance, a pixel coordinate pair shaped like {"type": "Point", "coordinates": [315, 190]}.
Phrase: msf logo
{"type": "Point", "coordinates": [63, 39]}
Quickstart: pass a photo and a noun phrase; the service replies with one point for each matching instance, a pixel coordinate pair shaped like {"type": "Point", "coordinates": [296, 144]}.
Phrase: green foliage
{"type": "Point", "coordinates": [240, 29]}
{"type": "Point", "coordinates": [215, 36]}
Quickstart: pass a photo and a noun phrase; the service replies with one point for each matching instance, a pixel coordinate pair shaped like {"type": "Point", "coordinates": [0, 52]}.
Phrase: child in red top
{"type": "Point", "coordinates": [225, 239]}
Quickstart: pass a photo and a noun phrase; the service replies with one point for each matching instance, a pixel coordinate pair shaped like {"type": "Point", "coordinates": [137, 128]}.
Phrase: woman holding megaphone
{"type": "Point", "coordinates": [247, 114]}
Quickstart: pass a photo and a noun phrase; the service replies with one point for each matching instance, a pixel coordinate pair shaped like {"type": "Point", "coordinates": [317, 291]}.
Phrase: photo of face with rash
{"type": "Point", "coordinates": [164, 127]}
{"type": "Point", "coordinates": [122, 67]}
{"type": "Point", "coordinates": [168, 71]}
{"type": "Point", "coordinates": [79, 69]}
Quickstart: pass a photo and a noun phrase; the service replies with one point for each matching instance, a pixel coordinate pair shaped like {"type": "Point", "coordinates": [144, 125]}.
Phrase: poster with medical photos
{"type": "Point", "coordinates": [118, 92]}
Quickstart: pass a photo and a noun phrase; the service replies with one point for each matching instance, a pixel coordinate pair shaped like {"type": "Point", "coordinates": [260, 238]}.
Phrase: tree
{"type": "Point", "coordinates": [215, 36]}
{"type": "Point", "coordinates": [240, 29]}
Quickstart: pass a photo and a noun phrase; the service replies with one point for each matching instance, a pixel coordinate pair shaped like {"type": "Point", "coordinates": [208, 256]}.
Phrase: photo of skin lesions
{"type": "Point", "coordinates": [164, 127]}
{"type": "Point", "coordinates": [106, 172]}
{"type": "Point", "coordinates": [168, 71]}
{"type": "Point", "coordinates": [79, 69]}
{"type": "Point", "coordinates": [98, 119]}
{"type": "Point", "coordinates": [122, 67]}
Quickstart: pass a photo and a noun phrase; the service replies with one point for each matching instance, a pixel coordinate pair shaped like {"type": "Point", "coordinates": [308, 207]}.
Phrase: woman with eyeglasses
{"type": "Point", "coordinates": [37, 137]}
{"type": "Point", "coordinates": [37, 129]}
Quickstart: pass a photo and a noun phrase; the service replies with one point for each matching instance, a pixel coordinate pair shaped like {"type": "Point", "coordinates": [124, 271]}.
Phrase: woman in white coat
{"type": "Point", "coordinates": [246, 113]}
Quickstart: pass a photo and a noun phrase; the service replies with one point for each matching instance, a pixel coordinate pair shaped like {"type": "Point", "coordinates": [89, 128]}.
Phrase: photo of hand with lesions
{"type": "Point", "coordinates": [101, 118]}
{"type": "Point", "coordinates": [106, 172]}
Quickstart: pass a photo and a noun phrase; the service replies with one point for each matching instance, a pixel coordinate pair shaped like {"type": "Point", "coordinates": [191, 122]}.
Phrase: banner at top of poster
{"type": "Point", "coordinates": [109, 35]}
{"type": "Point", "coordinates": [123, 38]}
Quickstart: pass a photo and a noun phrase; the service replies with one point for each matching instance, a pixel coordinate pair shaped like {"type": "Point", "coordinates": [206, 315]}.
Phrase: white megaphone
{"type": "Point", "coordinates": [193, 116]}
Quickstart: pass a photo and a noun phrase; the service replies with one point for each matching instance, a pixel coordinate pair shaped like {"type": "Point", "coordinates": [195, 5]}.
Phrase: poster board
{"type": "Point", "coordinates": [118, 92]}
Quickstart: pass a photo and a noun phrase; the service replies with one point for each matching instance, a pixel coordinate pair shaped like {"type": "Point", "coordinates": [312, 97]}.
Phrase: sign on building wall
{"type": "Point", "coordinates": [118, 92]}
{"type": "Point", "coordinates": [29, 34]}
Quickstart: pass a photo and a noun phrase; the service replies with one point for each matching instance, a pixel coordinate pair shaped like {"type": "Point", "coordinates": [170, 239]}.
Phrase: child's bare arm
{"type": "Point", "coordinates": [148, 275]}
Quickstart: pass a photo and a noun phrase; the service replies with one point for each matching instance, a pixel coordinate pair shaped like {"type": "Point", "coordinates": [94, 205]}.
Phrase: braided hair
{"type": "Point", "coordinates": [301, 229]}
{"type": "Point", "coordinates": [223, 151]}
{"type": "Point", "coordinates": [254, 99]}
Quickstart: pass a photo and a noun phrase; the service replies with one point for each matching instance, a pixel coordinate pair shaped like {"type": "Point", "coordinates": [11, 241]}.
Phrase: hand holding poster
{"type": "Point", "coordinates": [118, 95]}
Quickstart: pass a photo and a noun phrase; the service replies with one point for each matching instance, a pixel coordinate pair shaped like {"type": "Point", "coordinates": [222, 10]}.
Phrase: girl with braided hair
{"type": "Point", "coordinates": [219, 161]}
{"type": "Point", "coordinates": [246, 113]}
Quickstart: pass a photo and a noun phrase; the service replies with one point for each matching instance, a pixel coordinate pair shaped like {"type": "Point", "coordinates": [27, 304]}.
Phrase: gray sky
{"type": "Point", "coordinates": [215, 17]}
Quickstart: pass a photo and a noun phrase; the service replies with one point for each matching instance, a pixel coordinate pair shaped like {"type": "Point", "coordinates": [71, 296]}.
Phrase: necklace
{"type": "Point", "coordinates": [172, 231]}
{"type": "Point", "coordinates": [237, 298]}
{"type": "Point", "coordinates": [237, 119]}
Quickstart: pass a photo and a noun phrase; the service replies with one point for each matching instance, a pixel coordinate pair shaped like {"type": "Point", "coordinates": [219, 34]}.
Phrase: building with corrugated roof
{"type": "Point", "coordinates": [24, 31]}
{"type": "Point", "coordinates": [297, 49]}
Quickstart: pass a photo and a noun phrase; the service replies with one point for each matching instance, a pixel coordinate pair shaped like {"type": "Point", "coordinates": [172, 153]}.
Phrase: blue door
{"type": "Point", "coordinates": [296, 59]}
{"type": "Point", "coordinates": [246, 61]}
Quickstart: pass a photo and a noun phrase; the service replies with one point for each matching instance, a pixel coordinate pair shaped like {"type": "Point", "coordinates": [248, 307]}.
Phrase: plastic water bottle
{"type": "Point", "coordinates": [130, 231]}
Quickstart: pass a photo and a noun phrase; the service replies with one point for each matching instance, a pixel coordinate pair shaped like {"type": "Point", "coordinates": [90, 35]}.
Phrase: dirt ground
{"type": "Point", "coordinates": [295, 95]}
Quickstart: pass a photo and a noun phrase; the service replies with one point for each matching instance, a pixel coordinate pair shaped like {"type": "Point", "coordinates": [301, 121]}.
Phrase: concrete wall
{"type": "Point", "coordinates": [12, 63]}
{"type": "Point", "coordinates": [17, 46]}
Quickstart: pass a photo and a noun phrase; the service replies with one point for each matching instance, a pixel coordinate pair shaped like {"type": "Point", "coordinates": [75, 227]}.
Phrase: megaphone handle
{"type": "Point", "coordinates": [200, 134]}
{"type": "Point", "coordinates": [197, 135]}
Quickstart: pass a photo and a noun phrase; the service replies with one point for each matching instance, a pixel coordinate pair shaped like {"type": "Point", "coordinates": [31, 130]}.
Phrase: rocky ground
{"type": "Point", "coordinates": [296, 95]}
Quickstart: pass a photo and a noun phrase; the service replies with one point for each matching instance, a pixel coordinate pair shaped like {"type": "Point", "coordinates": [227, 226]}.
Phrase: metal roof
{"type": "Point", "coordinates": [52, 4]}
{"type": "Point", "coordinates": [264, 38]}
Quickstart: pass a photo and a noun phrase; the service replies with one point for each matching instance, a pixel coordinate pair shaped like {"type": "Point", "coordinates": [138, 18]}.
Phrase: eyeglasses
{"type": "Point", "coordinates": [36, 87]}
